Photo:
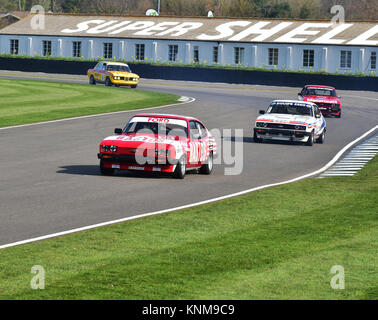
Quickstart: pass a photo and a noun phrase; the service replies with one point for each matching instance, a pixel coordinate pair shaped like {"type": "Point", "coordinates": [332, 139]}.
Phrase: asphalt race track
{"type": "Point", "coordinates": [50, 180]}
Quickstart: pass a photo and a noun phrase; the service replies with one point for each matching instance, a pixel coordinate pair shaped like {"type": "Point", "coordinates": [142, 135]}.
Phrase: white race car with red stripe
{"type": "Point", "coordinates": [291, 120]}
{"type": "Point", "coordinates": [159, 143]}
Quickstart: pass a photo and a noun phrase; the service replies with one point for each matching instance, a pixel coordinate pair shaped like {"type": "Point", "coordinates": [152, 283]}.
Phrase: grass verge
{"type": "Point", "coordinates": [30, 101]}
{"type": "Point", "coordinates": [277, 243]}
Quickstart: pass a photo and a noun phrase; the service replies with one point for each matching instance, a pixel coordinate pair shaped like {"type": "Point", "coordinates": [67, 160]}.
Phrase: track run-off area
{"type": "Point", "coordinates": [50, 180]}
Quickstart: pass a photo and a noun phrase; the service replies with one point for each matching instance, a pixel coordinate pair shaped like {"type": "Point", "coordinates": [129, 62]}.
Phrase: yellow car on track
{"type": "Point", "coordinates": [113, 73]}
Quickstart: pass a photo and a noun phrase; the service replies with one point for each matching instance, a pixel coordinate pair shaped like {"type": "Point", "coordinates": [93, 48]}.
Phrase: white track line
{"type": "Point", "coordinates": [353, 161]}
{"type": "Point", "coordinates": [317, 172]}
{"type": "Point", "coordinates": [187, 100]}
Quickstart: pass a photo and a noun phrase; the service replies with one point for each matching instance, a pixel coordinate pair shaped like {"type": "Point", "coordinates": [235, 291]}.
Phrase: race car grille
{"type": "Point", "coordinates": [284, 133]}
{"type": "Point", "coordinates": [328, 105]}
{"type": "Point", "coordinates": [131, 159]}
{"type": "Point", "coordinates": [127, 151]}
{"type": "Point", "coordinates": [281, 126]}
{"type": "Point", "coordinates": [124, 158]}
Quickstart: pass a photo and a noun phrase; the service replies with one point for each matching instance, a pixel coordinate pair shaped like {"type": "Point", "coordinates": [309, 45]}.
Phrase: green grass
{"type": "Point", "coordinates": [278, 243]}
{"type": "Point", "coordinates": [29, 101]}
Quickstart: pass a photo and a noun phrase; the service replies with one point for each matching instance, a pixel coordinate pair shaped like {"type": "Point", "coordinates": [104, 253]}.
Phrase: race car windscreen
{"type": "Point", "coordinates": [320, 92]}
{"type": "Point", "coordinates": [115, 67]}
{"type": "Point", "coordinates": [291, 108]}
{"type": "Point", "coordinates": [148, 127]}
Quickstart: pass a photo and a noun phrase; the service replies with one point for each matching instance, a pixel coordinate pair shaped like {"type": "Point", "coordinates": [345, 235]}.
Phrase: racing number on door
{"type": "Point", "coordinates": [198, 152]}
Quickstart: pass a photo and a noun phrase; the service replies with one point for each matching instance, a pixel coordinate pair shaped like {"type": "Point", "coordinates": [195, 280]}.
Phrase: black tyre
{"type": "Point", "coordinates": [207, 168]}
{"type": "Point", "coordinates": [106, 171]}
{"type": "Point", "coordinates": [108, 83]}
{"type": "Point", "coordinates": [321, 138]}
{"type": "Point", "coordinates": [339, 116]}
{"type": "Point", "coordinates": [134, 86]}
{"type": "Point", "coordinates": [92, 80]}
{"type": "Point", "coordinates": [180, 171]}
{"type": "Point", "coordinates": [257, 140]}
{"type": "Point", "coordinates": [311, 139]}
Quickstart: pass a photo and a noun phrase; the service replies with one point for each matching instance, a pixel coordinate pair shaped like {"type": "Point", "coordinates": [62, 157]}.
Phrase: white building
{"type": "Point", "coordinates": [283, 44]}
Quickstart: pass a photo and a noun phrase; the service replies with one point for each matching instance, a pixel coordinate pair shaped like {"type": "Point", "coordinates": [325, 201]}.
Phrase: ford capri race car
{"type": "Point", "coordinates": [159, 143]}
{"type": "Point", "coordinates": [111, 73]}
{"type": "Point", "coordinates": [290, 120]}
{"type": "Point", "coordinates": [325, 97]}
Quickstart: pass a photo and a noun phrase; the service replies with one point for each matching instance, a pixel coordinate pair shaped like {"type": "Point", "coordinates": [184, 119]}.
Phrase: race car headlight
{"type": "Point", "coordinates": [105, 148]}
{"type": "Point", "coordinates": [116, 78]}
{"type": "Point", "coordinates": [113, 148]}
{"type": "Point", "coordinates": [261, 124]}
{"type": "Point", "coordinates": [300, 128]}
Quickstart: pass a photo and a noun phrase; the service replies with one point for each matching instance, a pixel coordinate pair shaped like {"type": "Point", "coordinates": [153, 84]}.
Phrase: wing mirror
{"type": "Point", "coordinates": [262, 111]}
{"type": "Point", "coordinates": [317, 116]}
{"type": "Point", "coordinates": [118, 131]}
{"type": "Point", "coordinates": [339, 97]}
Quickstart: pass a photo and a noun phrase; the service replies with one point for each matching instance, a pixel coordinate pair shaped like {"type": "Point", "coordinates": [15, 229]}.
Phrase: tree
{"type": "Point", "coordinates": [6, 5]}
{"type": "Point", "coordinates": [72, 6]}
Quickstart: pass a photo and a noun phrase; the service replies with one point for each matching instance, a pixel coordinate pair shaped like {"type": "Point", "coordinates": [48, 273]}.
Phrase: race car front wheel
{"type": "Point", "coordinates": [108, 83]}
{"type": "Point", "coordinates": [180, 169]}
{"type": "Point", "coordinates": [321, 138]}
{"type": "Point", "coordinates": [310, 140]}
{"type": "Point", "coordinates": [92, 80]}
{"type": "Point", "coordinates": [207, 168]}
{"type": "Point", "coordinates": [256, 140]}
{"type": "Point", "coordinates": [106, 171]}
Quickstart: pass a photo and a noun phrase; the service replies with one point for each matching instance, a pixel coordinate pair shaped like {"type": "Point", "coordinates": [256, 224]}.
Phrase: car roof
{"type": "Point", "coordinates": [319, 86]}
{"type": "Point", "coordinates": [295, 101]}
{"type": "Point", "coordinates": [114, 63]}
{"type": "Point", "coordinates": [165, 115]}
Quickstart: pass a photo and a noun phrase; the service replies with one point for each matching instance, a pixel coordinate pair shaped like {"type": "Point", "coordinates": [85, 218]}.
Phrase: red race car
{"type": "Point", "coordinates": [159, 143]}
{"type": "Point", "coordinates": [325, 97]}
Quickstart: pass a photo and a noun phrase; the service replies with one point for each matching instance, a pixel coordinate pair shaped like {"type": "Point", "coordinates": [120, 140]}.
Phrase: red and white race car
{"type": "Point", "coordinates": [159, 143]}
{"type": "Point", "coordinates": [325, 97]}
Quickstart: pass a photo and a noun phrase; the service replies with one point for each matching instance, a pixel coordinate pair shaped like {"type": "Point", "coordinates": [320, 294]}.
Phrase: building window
{"type": "Point", "coordinates": [172, 52]}
{"type": "Point", "coordinates": [238, 55]}
{"type": "Point", "coordinates": [196, 54]}
{"type": "Point", "coordinates": [139, 51]}
{"type": "Point", "coordinates": [308, 58]}
{"type": "Point", "coordinates": [373, 60]}
{"type": "Point", "coordinates": [76, 47]}
{"type": "Point", "coordinates": [14, 46]}
{"type": "Point", "coordinates": [215, 54]}
{"type": "Point", "coordinates": [346, 59]}
{"type": "Point", "coordinates": [273, 56]}
{"type": "Point", "coordinates": [108, 50]}
{"type": "Point", "coordinates": [46, 48]}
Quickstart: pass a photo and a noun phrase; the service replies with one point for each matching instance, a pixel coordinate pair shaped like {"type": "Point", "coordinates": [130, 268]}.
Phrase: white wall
{"type": "Point", "coordinates": [255, 54]}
